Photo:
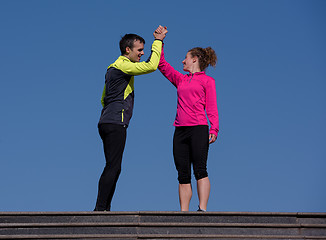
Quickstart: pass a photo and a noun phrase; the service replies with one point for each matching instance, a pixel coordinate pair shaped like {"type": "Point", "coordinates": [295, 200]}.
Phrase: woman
{"type": "Point", "coordinates": [196, 93]}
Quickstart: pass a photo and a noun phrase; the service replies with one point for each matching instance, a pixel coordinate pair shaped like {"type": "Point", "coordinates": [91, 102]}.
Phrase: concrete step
{"type": "Point", "coordinates": [161, 225]}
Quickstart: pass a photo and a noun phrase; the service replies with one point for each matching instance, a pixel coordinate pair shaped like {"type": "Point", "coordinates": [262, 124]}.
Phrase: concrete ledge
{"type": "Point", "coordinates": [162, 225]}
{"type": "Point", "coordinates": [157, 236]}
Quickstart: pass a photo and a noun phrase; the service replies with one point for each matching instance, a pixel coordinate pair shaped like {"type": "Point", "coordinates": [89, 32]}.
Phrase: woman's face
{"type": "Point", "coordinates": [188, 63]}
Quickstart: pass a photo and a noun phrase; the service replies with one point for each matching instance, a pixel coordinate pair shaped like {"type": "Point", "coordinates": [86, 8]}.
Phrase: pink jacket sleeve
{"type": "Point", "coordinates": [168, 71]}
{"type": "Point", "coordinates": [211, 106]}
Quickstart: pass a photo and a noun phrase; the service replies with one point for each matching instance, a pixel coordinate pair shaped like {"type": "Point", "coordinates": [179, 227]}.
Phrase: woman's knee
{"type": "Point", "coordinates": [184, 178]}
{"type": "Point", "coordinates": [201, 174]}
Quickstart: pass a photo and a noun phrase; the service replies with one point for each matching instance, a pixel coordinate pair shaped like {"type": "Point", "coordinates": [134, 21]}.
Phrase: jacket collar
{"type": "Point", "coordinates": [196, 73]}
{"type": "Point", "coordinates": [124, 58]}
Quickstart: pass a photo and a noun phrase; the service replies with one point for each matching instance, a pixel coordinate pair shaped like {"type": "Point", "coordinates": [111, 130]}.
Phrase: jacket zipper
{"type": "Point", "coordinates": [191, 77]}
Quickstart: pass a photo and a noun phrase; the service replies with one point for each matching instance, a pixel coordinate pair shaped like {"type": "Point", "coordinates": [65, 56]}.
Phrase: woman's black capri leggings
{"type": "Point", "coordinates": [190, 146]}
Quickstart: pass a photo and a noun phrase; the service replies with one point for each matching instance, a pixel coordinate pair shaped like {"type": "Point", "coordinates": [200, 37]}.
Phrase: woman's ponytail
{"type": "Point", "coordinates": [211, 56]}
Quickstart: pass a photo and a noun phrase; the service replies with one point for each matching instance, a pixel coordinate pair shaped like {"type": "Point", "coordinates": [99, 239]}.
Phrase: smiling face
{"type": "Point", "coordinates": [136, 52]}
{"type": "Point", "coordinates": [188, 63]}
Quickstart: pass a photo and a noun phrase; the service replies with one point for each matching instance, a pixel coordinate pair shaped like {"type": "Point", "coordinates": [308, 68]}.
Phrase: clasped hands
{"type": "Point", "coordinates": [160, 32]}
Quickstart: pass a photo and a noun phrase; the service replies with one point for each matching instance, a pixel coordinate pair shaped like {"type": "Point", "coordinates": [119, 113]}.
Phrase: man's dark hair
{"type": "Point", "coordinates": [128, 41]}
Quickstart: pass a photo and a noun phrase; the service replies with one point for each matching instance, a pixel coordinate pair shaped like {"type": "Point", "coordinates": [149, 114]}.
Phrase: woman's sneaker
{"type": "Point", "coordinates": [200, 210]}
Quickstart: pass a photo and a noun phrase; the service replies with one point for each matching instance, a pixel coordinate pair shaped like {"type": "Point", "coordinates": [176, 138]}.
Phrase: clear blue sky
{"type": "Point", "coordinates": [271, 85]}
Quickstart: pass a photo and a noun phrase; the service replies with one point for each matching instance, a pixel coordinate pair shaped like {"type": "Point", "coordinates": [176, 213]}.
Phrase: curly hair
{"type": "Point", "coordinates": [206, 56]}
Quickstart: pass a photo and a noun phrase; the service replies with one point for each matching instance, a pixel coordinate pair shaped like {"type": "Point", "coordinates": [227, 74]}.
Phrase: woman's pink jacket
{"type": "Point", "coordinates": [196, 93]}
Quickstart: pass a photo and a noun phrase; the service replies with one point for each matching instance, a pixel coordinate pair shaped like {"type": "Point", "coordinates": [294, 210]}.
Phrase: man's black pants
{"type": "Point", "coordinates": [114, 139]}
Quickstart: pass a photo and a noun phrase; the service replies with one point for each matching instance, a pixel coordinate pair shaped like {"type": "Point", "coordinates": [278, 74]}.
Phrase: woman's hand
{"type": "Point", "coordinates": [212, 138]}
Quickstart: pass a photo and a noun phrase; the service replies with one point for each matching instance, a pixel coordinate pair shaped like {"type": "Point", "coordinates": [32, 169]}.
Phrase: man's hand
{"type": "Point", "coordinates": [212, 138]}
{"type": "Point", "coordinates": [160, 33]}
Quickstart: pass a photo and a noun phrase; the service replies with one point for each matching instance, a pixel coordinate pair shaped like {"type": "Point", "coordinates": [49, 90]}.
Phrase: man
{"type": "Point", "coordinates": [118, 100]}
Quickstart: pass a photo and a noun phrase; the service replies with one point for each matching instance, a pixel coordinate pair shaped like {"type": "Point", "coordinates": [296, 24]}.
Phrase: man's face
{"type": "Point", "coordinates": [136, 52]}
